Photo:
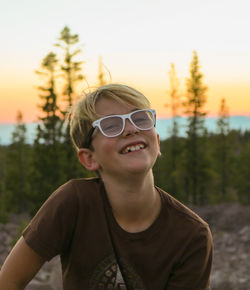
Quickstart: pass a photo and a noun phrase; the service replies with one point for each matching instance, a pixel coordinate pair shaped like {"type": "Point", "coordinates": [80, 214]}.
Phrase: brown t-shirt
{"type": "Point", "coordinates": [76, 222]}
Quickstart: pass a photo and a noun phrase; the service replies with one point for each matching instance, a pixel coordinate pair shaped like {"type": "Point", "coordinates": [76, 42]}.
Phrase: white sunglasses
{"type": "Point", "coordinates": [114, 125]}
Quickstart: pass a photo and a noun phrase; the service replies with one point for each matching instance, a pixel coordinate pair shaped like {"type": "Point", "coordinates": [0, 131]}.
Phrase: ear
{"type": "Point", "coordinates": [86, 157]}
{"type": "Point", "coordinates": [158, 140]}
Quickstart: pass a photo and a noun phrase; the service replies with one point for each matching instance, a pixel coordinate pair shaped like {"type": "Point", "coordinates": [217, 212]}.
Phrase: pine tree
{"type": "Point", "coordinates": [175, 99]}
{"type": "Point", "coordinates": [222, 148]}
{"type": "Point", "coordinates": [71, 68]}
{"type": "Point", "coordinates": [102, 74]}
{"type": "Point", "coordinates": [50, 132]}
{"type": "Point", "coordinates": [101, 80]}
{"type": "Point", "coordinates": [195, 162]}
{"type": "Point", "coordinates": [3, 192]}
{"type": "Point", "coordinates": [48, 156]}
{"type": "Point", "coordinates": [223, 120]}
{"type": "Point", "coordinates": [72, 73]}
{"type": "Point", "coordinates": [18, 167]}
{"type": "Point", "coordinates": [174, 145]}
{"type": "Point", "coordinates": [242, 174]}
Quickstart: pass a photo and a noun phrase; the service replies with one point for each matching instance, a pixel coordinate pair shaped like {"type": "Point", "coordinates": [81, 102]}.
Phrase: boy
{"type": "Point", "coordinates": [117, 231]}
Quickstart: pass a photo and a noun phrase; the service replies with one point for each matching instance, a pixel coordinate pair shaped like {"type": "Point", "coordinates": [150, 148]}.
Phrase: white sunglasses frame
{"type": "Point", "coordinates": [97, 122]}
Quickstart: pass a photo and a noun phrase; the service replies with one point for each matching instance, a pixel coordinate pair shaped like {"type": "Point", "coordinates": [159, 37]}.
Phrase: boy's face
{"type": "Point", "coordinates": [110, 154]}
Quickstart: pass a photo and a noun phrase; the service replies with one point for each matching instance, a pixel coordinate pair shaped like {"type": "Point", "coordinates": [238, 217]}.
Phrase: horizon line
{"type": "Point", "coordinates": [212, 116]}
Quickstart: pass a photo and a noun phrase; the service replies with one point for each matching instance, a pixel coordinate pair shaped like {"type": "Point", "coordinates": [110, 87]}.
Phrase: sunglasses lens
{"type": "Point", "coordinates": [143, 120]}
{"type": "Point", "coordinates": [112, 126]}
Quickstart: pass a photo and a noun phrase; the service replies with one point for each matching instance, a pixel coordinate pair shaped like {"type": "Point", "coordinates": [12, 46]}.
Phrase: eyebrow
{"type": "Point", "coordinates": [135, 110]}
{"type": "Point", "coordinates": [102, 116]}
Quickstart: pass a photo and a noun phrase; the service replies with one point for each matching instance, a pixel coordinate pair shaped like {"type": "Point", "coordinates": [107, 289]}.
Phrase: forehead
{"type": "Point", "coordinates": [108, 106]}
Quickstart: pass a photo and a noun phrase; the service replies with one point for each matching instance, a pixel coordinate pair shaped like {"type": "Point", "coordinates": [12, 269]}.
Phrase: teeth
{"type": "Point", "coordinates": [133, 148]}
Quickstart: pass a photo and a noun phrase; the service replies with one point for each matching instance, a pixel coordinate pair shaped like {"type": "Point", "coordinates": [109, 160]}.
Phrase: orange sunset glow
{"type": "Point", "coordinates": [137, 40]}
{"type": "Point", "coordinates": [25, 99]}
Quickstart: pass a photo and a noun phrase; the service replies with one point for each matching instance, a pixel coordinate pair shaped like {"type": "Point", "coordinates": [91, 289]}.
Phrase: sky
{"type": "Point", "coordinates": [137, 39]}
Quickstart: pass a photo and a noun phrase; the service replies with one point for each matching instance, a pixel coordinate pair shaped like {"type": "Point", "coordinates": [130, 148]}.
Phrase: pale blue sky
{"type": "Point", "coordinates": [214, 28]}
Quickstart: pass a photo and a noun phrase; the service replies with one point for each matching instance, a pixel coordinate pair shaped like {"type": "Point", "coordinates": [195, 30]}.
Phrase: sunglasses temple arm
{"type": "Point", "coordinates": [89, 138]}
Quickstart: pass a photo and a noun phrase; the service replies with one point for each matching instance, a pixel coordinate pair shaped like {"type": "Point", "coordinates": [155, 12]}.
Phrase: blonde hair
{"type": "Point", "coordinates": [83, 113]}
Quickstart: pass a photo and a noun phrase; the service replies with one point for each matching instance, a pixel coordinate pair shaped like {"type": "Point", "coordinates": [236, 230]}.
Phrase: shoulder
{"type": "Point", "coordinates": [182, 216]}
{"type": "Point", "coordinates": [77, 187]}
{"type": "Point", "coordinates": [86, 190]}
{"type": "Point", "coordinates": [85, 184]}
{"type": "Point", "coordinates": [89, 182]}
{"type": "Point", "coordinates": [189, 232]}
{"type": "Point", "coordinates": [59, 216]}
{"type": "Point", "coordinates": [69, 197]}
{"type": "Point", "coordinates": [189, 237]}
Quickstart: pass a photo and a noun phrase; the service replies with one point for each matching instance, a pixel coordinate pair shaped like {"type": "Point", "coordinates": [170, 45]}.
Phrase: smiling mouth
{"type": "Point", "coordinates": [133, 148]}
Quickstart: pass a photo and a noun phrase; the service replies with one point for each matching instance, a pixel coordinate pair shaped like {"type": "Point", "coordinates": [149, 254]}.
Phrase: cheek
{"type": "Point", "coordinates": [156, 139]}
{"type": "Point", "coordinates": [104, 146]}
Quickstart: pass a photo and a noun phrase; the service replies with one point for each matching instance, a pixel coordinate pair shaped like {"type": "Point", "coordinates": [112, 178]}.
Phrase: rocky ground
{"type": "Point", "coordinates": [230, 226]}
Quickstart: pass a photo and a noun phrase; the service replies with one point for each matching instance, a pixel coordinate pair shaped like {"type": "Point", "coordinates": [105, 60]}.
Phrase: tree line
{"type": "Point", "coordinates": [201, 168]}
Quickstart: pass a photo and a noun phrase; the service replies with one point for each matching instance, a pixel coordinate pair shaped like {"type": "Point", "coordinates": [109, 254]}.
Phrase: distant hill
{"type": "Point", "coordinates": [7, 129]}
{"type": "Point", "coordinates": [163, 127]}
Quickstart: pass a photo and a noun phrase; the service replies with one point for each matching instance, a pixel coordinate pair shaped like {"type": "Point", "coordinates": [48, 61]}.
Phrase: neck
{"type": "Point", "coordinates": [135, 202]}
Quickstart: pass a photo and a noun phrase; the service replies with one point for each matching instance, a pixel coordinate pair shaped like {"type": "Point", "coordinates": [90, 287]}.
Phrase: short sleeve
{"type": "Point", "coordinates": [193, 270]}
{"type": "Point", "coordinates": [50, 231]}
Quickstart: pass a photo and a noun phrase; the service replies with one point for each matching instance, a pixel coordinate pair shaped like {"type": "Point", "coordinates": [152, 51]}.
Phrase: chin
{"type": "Point", "coordinates": [139, 168]}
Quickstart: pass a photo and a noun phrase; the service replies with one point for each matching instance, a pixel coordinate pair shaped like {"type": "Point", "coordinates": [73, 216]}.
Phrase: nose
{"type": "Point", "coordinates": [129, 128]}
